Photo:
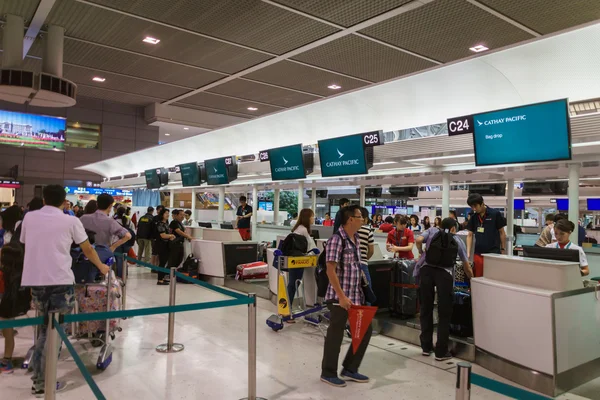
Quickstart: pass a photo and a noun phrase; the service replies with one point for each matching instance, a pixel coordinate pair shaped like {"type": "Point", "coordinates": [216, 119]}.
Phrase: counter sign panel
{"type": "Point", "coordinates": [216, 171]}
{"type": "Point", "coordinates": [343, 156]}
{"type": "Point", "coordinates": [460, 125]}
{"type": "Point", "coordinates": [287, 163]}
{"type": "Point", "coordinates": [190, 174]}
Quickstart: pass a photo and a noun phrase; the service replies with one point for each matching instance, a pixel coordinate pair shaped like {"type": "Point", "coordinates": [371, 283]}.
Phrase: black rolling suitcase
{"type": "Point", "coordinates": [381, 276]}
{"type": "Point", "coordinates": [461, 323]}
{"type": "Point", "coordinates": [405, 297]}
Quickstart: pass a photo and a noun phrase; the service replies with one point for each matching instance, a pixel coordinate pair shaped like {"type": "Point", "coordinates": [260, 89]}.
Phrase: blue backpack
{"type": "Point", "coordinates": [83, 269]}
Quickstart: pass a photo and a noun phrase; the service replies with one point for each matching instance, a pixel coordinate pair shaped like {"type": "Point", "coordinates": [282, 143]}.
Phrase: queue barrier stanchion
{"type": "Point", "coordinates": [252, 349]}
{"type": "Point", "coordinates": [463, 381]}
{"type": "Point", "coordinates": [52, 345]}
{"type": "Point", "coordinates": [124, 273]}
{"type": "Point", "coordinates": [171, 347]}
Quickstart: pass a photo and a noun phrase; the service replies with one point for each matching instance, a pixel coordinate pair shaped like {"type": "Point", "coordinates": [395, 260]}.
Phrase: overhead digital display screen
{"type": "Point", "coordinates": [153, 178]}
{"type": "Point", "coordinates": [593, 204]}
{"type": "Point", "coordinates": [32, 131]}
{"type": "Point", "coordinates": [519, 204]}
{"type": "Point", "coordinates": [190, 174]}
{"type": "Point", "coordinates": [532, 133]}
{"type": "Point", "coordinates": [562, 204]}
{"type": "Point", "coordinates": [342, 156]}
{"type": "Point", "coordinates": [287, 163]}
{"type": "Point", "coordinates": [216, 171]}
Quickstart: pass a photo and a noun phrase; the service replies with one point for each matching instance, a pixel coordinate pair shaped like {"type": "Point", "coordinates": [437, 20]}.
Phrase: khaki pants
{"type": "Point", "coordinates": [144, 249]}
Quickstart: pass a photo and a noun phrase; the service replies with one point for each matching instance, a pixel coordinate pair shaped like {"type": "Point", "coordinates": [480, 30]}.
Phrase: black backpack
{"type": "Point", "coordinates": [321, 271]}
{"type": "Point", "coordinates": [294, 245]}
{"type": "Point", "coordinates": [442, 250]}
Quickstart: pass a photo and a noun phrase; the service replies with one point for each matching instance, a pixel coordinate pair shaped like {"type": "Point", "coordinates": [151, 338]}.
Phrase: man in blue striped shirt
{"type": "Point", "coordinates": [344, 272]}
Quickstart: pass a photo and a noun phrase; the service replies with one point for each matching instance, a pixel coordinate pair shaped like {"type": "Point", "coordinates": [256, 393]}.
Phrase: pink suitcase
{"type": "Point", "coordinates": [92, 298]}
{"type": "Point", "coordinates": [255, 270]}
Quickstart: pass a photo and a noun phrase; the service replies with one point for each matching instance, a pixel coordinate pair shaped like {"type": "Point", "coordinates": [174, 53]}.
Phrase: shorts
{"type": "Point", "coordinates": [154, 248]}
{"type": "Point", "coordinates": [245, 233]}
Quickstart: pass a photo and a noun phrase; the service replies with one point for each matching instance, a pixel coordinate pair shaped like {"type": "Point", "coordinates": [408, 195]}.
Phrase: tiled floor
{"type": "Point", "coordinates": [214, 362]}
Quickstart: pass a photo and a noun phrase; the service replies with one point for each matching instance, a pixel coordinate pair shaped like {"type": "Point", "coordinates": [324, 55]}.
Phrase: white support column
{"type": "Point", "coordinates": [510, 214]}
{"type": "Point", "coordinates": [12, 42]}
{"type": "Point", "coordinates": [221, 214]}
{"type": "Point", "coordinates": [574, 199]}
{"type": "Point", "coordinates": [300, 196]}
{"type": "Point", "coordinates": [445, 195]}
{"type": "Point", "coordinates": [254, 218]}
{"type": "Point", "coordinates": [172, 200]}
{"type": "Point", "coordinates": [194, 206]}
{"type": "Point", "coordinates": [275, 206]}
{"type": "Point", "coordinates": [314, 199]}
{"type": "Point", "coordinates": [362, 195]}
{"type": "Point", "coordinates": [52, 62]}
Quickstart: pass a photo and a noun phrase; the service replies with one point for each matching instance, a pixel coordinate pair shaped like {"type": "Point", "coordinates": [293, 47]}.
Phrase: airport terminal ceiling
{"type": "Point", "coordinates": [304, 63]}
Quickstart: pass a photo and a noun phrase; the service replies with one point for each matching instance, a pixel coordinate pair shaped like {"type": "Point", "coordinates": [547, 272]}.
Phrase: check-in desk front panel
{"type": "Point", "coordinates": [210, 253]}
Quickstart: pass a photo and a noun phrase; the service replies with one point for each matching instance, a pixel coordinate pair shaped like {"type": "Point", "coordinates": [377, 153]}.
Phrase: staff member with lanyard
{"type": "Point", "coordinates": [563, 229]}
{"type": "Point", "coordinates": [487, 225]}
{"type": "Point", "coordinates": [401, 240]}
{"type": "Point", "coordinates": [244, 213]}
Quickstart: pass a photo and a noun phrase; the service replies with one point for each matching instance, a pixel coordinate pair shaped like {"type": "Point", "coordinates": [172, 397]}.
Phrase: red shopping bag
{"type": "Point", "coordinates": [131, 254]}
{"type": "Point", "coordinates": [360, 318]}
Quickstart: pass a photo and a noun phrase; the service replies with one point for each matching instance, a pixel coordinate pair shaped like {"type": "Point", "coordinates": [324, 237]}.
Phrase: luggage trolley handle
{"type": "Point", "coordinates": [110, 263]}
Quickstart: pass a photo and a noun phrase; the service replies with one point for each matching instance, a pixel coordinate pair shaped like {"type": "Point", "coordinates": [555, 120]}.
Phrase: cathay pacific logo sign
{"type": "Point", "coordinates": [215, 170]}
{"type": "Point", "coordinates": [342, 163]}
{"type": "Point", "coordinates": [284, 161]}
{"type": "Point", "coordinates": [286, 167]}
{"type": "Point", "coordinates": [500, 121]}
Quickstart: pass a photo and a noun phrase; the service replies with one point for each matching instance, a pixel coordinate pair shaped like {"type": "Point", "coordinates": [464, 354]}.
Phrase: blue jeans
{"type": "Point", "coordinates": [365, 268]}
{"type": "Point", "coordinates": [48, 299]}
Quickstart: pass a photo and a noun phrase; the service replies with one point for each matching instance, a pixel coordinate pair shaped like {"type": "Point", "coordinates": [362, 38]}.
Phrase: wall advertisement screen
{"type": "Point", "coordinates": [287, 163]}
{"type": "Point", "coordinates": [32, 131]}
{"type": "Point", "coordinates": [532, 133]}
{"type": "Point", "coordinates": [216, 171]}
{"type": "Point", "coordinates": [190, 174]}
{"type": "Point", "coordinates": [342, 156]}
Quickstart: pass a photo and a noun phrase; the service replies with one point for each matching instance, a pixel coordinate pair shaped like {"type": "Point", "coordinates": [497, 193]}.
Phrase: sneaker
{"type": "Point", "coordinates": [354, 376]}
{"type": "Point", "coordinates": [60, 386]}
{"type": "Point", "coordinates": [446, 357]}
{"type": "Point", "coordinates": [335, 381]}
{"type": "Point", "coordinates": [6, 367]}
{"type": "Point", "coordinates": [426, 353]}
{"type": "Point", "coordinates": [162, 283]}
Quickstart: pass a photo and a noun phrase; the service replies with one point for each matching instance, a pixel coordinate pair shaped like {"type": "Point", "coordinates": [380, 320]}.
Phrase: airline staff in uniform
{"type": "Point", "coordinates": [563, 229]}
{"type": "Point", "coordinates": [244, 213]}
{"type": "Point", "coordinates": [401, 240]}
{"type": "Point", "coordinates": [487, 225]}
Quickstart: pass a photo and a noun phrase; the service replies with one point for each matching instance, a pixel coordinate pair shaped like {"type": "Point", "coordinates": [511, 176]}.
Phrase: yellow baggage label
{"type": "Point", "coordinates": [283, 307]}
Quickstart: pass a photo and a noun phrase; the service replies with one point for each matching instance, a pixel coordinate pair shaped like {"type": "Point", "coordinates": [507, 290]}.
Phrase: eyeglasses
{"type": "Point", "coordinates": [357, 216]}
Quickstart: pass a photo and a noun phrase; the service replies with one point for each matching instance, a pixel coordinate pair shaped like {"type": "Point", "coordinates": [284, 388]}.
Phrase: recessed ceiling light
{"type": "Point", "coordinates": [151, 40]}
{"type": "Point", "coordinates": [252, 108]}
{"type": "Point", "coordinates": [478, 49]}
{"type": "Point", "coordinates": [186, 129]}
{"type": "Point", "coordinates": [167, 134]}
{"type": "Point", "coordinates": [334, 87]}
{"type": "Point", "coordinates": [98, 79]}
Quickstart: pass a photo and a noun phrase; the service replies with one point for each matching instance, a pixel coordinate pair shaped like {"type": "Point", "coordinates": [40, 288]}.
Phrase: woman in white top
{"type": "Point", "coordinates": [307, 275]}
{"type": "Point", "coordinates": [563, 229]}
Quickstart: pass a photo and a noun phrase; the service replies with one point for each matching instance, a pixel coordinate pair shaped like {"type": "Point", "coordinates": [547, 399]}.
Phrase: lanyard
{"type": "Point", "coordinates": [481, 219]}
{"type": "Point", "coordinates": [567, 247]}
{"type": "Point", "coordinates": [398, 243]}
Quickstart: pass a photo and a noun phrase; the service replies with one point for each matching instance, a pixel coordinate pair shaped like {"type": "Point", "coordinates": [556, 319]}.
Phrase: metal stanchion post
{"type": "Point", "coordinates": [124, 271]}
{"type": "Point", "coordinates": [171, 347]}
{"type": "Point", "coordinates": [463, 381]}
{"type": "Point", "coordinates": [52, 344]}
{"type": "Point", "coordinates": [252, 349]}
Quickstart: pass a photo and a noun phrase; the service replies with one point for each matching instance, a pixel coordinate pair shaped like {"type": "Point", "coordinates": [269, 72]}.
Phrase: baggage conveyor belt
{"type": "Point", "coordinates": [408, 330]}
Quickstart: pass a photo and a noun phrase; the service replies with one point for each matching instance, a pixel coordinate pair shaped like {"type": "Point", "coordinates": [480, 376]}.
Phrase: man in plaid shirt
{"type": "Point", "coordinates": [344, 272]}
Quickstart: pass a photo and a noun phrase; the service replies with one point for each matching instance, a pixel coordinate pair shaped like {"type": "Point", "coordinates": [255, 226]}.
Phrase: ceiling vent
{"type": "Point", "coordinates": [45, 89]}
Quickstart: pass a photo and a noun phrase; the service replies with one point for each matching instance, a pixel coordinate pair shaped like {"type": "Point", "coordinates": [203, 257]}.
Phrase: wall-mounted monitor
{"type": "Point", "coordinates": [287, 163]}
{"type": "Point", "coordinates": [562, 204]}
{"type": "Point", "coordinates": [216, 171]}
{"type": "Point", "coordinates": [32, 131]}
{"type": "Point", "coordinates": [190, 174]}
{"type": "Point", "coordinates": [532, 133]}
{"type": "Point", "coordinates": [593, 204]}
{"type": "Point", "coordinates": [265, 205]}
{"type": "Point", "coordinates": [153, 178]}
{"type": "Point", "coordinates": [519, 204]}
{"type": "Point", "coordinates": [343, 156]}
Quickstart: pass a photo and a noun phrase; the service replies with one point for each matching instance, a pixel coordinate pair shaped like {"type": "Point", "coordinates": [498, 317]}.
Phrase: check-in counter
{"type": "Point", "coordinates": [223, 235]}
{"type": "Point", "coordinates": [535, 323]}
{"type": "Point", "coordinates": [210, 254]}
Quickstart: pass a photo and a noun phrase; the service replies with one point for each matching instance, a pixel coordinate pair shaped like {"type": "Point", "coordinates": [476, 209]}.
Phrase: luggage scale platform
{"type": "Point", "coordinates": [409, 330]}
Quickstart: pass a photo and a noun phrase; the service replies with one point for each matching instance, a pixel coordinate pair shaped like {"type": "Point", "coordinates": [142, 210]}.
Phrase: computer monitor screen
{"type": "Point", "coordinates": [205, 224]}
{"type": "Point", "coordinates": [315, 234]}
{"type": "Point", "coordinates": [562, 204]}
{"type": "Point", "coordinates": [226, 226]}
{"type": "Point", "coordinates": [549, 253]}
{"type": "Point", "coordinates": [519, 204]}
{"type": "Point", "coordinates": [526, 239]}
{"type": "Point", "coordinates": [593, 204]}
